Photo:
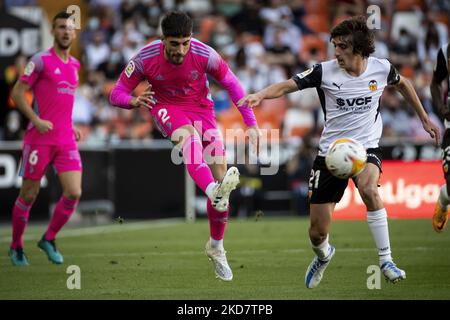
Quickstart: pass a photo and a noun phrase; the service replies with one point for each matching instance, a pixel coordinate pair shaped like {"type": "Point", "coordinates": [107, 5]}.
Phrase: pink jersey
{"type": "Point", "coordinates": [184, 86]}
{"type": "Point", "coordinates": [53, 83]}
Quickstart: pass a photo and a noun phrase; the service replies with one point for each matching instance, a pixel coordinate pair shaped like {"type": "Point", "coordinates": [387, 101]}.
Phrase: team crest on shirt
{"type": "Point", "coordinates": [305, 73]}
{"type": "Point", "coordinates": [194, 75]}
{"type": "Point", "coordinates": [129, 69]}
{"type": "Point", "coordinates": [373, 85]}
{"type": "Point", "coordinates": [29, 68]}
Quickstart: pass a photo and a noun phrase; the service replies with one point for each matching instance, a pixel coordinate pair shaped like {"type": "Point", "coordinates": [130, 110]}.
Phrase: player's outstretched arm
{"type": "Point", "coordinates": [18, 95]}
{"type": "Point", "coordinates": [273, 91]}
{"type": "Point", "coordinates": [405, 87]}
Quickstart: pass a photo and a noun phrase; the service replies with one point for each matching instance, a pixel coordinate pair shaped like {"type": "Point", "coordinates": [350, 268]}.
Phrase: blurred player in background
{"type": "Point", "coordinates": [441, 73]}
{"type": "Point", "coordinates": [182, 108]}
{"type": "Point", "coordinates": [52, 75]}
{"type": "Point", "coordinates": [349, 88]}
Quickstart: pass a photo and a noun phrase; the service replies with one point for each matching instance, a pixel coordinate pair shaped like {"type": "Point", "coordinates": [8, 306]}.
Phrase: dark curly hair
{"type": "Point", "coordinates": [177, 24]}
{"type": "Point", "coordinates": [361, 37]}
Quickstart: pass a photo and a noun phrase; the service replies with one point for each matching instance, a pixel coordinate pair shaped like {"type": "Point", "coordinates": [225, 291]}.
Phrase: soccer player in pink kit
{"type": "Point", "coordinates": [182, 108]}
{"type": "Point", "coordinates": [49, 139]}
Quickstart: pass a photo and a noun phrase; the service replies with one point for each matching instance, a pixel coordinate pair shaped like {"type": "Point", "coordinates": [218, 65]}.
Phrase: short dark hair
{"type": "Point", "coordinates": [176, 24]}
{"type": "Point", "coordinates": [60, 15]}
{"type": "Point", "coordinates": [362, 38]}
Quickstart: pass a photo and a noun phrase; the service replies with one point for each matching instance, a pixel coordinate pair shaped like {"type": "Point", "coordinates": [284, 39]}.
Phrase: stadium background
{"type": "Point", "coordinates": [124, 161]}
{"type": "Point", "coordinates": [264, 42]}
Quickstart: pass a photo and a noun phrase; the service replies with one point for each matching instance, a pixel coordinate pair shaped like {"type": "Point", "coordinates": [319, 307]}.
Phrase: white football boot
{"type": "Point", "coordinates": [315, 270]}
{"type": "Point", "coordinates": [219, 260]}
{"type": "Point", "coordinates": [392, 273]}
{"type": "Point", "coordinates": [221, 192]}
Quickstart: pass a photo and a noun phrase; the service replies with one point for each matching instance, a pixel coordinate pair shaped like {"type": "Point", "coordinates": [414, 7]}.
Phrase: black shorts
{"type": "Point", "coordinates": [446, 155]}
{"type": "Point", "coordinates": [325, 188]}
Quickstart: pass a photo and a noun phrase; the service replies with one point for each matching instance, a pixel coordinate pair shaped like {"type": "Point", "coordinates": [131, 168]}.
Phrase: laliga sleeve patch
{"type": "Point", "coordinates": [129, 69]}
{"type": "Point", "coordinates": [305, 73]}
{"type": "Point", "coordinates": [29, 68]}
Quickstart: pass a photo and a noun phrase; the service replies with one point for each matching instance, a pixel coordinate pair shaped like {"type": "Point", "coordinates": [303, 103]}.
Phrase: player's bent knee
{"type": "Point", "coordinates": [369, 193]}
{"type": "Point", "coordinates": [317, 235]}
{"type": "Point", "coordinates": [29, 195]}
{"type": "Point", "coordinates": [73, 194]}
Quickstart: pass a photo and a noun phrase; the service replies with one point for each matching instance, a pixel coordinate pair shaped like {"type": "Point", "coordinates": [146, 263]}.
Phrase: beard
{"type": "Point", "coordinates": [63, 45]}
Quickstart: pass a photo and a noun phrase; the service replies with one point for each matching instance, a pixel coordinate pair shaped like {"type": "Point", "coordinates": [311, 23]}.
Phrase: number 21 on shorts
{"type": "Point", "coordinates": [314, 179]}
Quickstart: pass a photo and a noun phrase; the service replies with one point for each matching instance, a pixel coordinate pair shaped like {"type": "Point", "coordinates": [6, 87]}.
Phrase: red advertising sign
{"type": "Point", "coordinates": [409, 190]}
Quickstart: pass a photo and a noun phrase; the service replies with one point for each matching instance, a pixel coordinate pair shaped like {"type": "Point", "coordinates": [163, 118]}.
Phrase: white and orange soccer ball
{"type": "Point", "coordinates": [346, 158]}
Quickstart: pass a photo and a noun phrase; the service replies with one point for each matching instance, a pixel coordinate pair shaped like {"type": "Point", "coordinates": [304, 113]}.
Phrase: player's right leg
{"type": "Point", "coordinates": [20, 217]}
{"type": "Point", "coordinates": [325, 191]}
{"type": "Point", "coordinates": [440, 216]}
{"type": "Point", "coordinates": [34, 162]}
{"type": "Point", "coordinates": [320, 219]}
{"type": "Point", "coordinates": [174, 124]}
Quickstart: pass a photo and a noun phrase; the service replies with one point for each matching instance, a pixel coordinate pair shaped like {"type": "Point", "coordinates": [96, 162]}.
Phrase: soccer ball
{"type": "Point", "coordinates": [346, 158]}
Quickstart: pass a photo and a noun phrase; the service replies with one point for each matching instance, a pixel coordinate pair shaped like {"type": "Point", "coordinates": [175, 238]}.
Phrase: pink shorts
{"type": "Point", "coordinates": [168, 119]}
{"type": "Point", "coordinates": [36, 158]}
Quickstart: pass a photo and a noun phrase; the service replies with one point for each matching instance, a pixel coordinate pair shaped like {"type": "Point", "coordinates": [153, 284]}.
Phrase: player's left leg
{"type": "Point", "coordinates": [71, 185]}
{"type": "Point", "coordinates": [218, 205]}
{"type": "Point", "coordinates": [67, 163]}
{"type": "Point", "coordinates": [440, 216]}
{"type": "Point", "coordinates": [214, 248]}
{"type": "Point", "coordinates": [367, 182]}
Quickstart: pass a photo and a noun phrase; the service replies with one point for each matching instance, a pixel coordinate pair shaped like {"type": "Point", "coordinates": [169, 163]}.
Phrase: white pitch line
{"type": "Point", "coordinates": [86, 231]}
{"type": "Point", "coordinates": [236, 253]}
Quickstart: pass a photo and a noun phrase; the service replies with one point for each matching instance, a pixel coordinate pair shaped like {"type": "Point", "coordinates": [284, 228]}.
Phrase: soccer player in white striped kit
{"type": "Point", "coordinates": [441, 74]}
{"type": "Point", "coordinates": [349, 88]}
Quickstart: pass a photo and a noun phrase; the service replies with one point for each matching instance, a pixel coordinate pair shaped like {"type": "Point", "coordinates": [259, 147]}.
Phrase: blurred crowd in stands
{"type": "Point", "coordinates": [264, 42]}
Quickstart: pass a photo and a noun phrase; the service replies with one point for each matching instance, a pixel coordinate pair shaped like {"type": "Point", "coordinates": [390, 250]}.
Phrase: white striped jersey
{"type": "Point", "coordinates": [441, 72]}
{"type": "Point", "coordinates": [351, 105]}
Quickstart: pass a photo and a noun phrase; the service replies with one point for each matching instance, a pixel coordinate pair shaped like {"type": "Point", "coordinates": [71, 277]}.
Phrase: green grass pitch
{"type": "Point", "coordinates": [165, 260]}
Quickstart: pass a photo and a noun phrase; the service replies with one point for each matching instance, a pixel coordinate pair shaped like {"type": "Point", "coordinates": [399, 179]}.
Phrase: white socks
{"type": "Point", "coordinates": [322, 250]}
{"type": "Point", "coordinates": [378, 225]}
{"type": "Point", "coordinates": [444, 201]}
{"type": "Point", "coordinates": [216, 244]}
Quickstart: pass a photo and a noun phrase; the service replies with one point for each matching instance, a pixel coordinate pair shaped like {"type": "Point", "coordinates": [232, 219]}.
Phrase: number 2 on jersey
{"type": "Point", "coordinates": [162, 113]}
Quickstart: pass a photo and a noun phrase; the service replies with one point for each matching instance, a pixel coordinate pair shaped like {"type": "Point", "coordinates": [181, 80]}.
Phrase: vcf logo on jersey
{"type": "Point", "coordinates": [354, 101]}
{"type": "Point", "coordinates": [373, 85]}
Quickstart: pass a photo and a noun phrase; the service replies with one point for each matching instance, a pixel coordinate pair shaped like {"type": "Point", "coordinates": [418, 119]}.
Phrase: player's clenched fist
{"type": "Point", "coordinates": [43, 126]}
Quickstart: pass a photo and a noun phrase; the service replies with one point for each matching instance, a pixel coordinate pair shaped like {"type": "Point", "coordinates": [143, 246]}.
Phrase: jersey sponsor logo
{"type": "Point", "coordinates": [353, 102]}
{"type": "Point", "coordinates": [57, 71]}
{"type": "Point", "coordinates": [130, 69]}
{"type": "Point", "coordinates": [159, 77]}
{"type": "Point", "coordinates": [29, 68]}
{"type": "Point", "coordinates": [338, 86]}
{"type": "Point", "coordinates": [305, 73]}
{"type": "Point", "coordinates": [65, 87]}
{"type": "Point", "coordinates": [373, 85]}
